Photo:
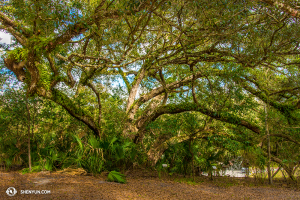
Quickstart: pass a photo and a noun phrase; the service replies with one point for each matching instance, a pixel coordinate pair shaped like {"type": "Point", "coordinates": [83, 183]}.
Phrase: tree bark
{"type": "Point", "coordinates": [269, 146]}
{"type": "Point", "coordinates": [29, 135]}
{"type": "Point", "coordinates": [63, 100]}
{"type": "Point", "coordinates": [276, 171]}
{"type": "Point", "coordinates": [129, 126]}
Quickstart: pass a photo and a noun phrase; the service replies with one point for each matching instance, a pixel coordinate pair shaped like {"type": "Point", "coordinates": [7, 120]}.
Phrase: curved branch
{"type": "Point", "coordinates": [8, 22]}
{"type": "Point", "coordinates": [221, 116]}
{"type": "Point", "coordinates": [90, 85]}
{"type": "Point", "coordinates": [157, 91]}
{"type": "Point", "coordinates": [63, 100]}
{"type": "Point", "coordinates": [284, 109]}
{"type": "Point", "coordinates": [69, 59]}
{"type": "Point", "coordinates": [21, 39]}
{"type": "Point", "coordinates": [73, 31]}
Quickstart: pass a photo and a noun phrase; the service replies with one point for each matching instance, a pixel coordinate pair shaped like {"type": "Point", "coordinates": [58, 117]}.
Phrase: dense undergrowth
{"type": "Point", "coordinates": [58, 141]}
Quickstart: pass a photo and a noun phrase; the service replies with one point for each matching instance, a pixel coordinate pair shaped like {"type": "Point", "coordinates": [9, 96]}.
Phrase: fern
{"type": "Point", "coordinates": [115, 176]}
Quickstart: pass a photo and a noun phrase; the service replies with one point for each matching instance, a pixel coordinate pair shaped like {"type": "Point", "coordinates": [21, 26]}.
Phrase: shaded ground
{"type": "Point", "coordinates": [141, 185]}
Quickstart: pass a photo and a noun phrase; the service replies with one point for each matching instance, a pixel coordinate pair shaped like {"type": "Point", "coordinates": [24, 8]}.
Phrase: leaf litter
{"type": "Point", "coordinates": [140, 185]}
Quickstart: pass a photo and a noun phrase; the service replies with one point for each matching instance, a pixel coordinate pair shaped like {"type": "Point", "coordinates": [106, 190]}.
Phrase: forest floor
{"type": "Point", "coordinates": [141, 184]}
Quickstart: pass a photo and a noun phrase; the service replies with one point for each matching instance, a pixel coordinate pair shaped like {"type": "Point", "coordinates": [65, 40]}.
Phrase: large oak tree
{"type": "Point", "coordinates": [210, 57]}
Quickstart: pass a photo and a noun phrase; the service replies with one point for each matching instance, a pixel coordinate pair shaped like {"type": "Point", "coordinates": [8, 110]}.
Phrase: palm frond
{"type": "Point", "coordinates": [115, 176]}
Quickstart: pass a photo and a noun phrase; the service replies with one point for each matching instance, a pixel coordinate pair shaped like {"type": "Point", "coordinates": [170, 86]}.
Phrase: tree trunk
{"type": "Point", "coordinates": [29, 135]}
{"type": "Point", "coordinates": [269, 146]}
{"type": "Point", "coordinates": [192, 154]}
{"type": "Point", "coordinates": [155, 153]}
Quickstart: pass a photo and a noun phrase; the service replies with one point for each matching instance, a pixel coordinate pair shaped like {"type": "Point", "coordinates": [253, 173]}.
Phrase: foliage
{"type": "Point", "coordinates": [184, 83]}
{"type": "Point", "coordinates": [114, 176]}
{"type": "Point", "coordinates": [34, 169]}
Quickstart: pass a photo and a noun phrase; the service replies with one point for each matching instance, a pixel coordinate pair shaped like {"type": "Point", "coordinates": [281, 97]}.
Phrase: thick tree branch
{"type": "Point", "coordinates": [135, 86]}
{"type": "Point", "coordinates": [19, 37]}
{"type": "Point", "coordinates": [160, 90]}
{"type": "Point", "coordinates": [63, 100]}
{"type": "Point", "coordinates": [97, 93]}
{"type": "Point", "coordinates": [6, 21]}
{"type": "Point", "coordinates": [221, 116]}
{"type": "Point", "coordinates": [69, 59]}
{"type": "Point", "coordinates": [284, 109]}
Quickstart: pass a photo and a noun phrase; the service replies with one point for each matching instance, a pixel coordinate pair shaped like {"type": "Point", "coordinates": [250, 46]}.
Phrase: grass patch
{"type": "Point", "coordinates": [188, 181]}
{"type": "Point", "coordinates": [33, 169]}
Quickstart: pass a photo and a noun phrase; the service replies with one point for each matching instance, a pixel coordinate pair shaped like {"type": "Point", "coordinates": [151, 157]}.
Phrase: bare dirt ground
{"type": "Point", "coordinates": [140, 185]}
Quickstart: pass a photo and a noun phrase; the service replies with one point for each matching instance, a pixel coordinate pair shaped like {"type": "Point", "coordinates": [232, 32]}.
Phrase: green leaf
{"type": "Point", "coordinates": [115, 176]}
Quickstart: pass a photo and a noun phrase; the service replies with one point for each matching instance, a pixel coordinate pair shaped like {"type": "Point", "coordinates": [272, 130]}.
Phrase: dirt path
{"type": "Point", "coordinates": [145, 186]}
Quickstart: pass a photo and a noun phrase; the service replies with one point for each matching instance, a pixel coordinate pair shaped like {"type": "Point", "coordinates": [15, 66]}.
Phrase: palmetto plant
{"type": "Point", "coordinates": [94, 154]}
{"type": "Point", "coordinates": [94, 158]}
{"type": "Point", "coordinates": [12, 154]}
{"type": "Point", "coordinates": [115, 176]}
